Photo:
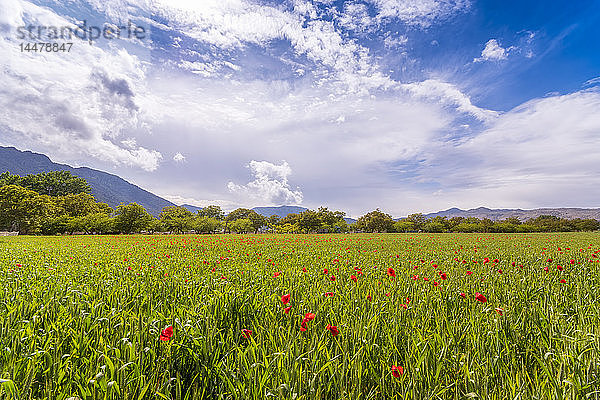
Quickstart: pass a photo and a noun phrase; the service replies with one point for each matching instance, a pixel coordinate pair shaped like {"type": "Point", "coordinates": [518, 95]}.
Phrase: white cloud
{"type": "Point", "coordinates": [544, 152]}
{"type": "Point", "coordinates": [270, 184]}
{"type": "Point", "coordinates": [592, 82]}
{"type": "Point", "coordinates": [178, 157]}
{"type": "Point", "coordinates": [448, 94]}
{"type": "Point", "coordinates": [356, 17]}
{"type": "Point", "coordinates": [419, 12]}
{"type": "Point", "coordinates": [11, 13]}
{"type": "Point", "coordinates": [72, 105]}
{"type": "Point", "coordinates": [493, 52]}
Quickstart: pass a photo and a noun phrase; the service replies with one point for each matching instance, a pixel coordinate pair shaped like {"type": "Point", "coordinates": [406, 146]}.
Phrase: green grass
{"type": "Point", "coordinates": [80, 317]}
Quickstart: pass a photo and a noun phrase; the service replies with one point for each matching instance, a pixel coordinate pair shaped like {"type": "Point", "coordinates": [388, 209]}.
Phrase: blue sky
{"type": "Point", "coordinates": [404, 105]}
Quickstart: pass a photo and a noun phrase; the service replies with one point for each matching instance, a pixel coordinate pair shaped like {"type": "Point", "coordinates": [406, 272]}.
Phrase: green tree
{"type": "Point", "coordinates": [376, 221]}
{"type": "Point", "coordinates": [258, 221]}
{"type": "Point", "coordinates": [404, 226]}
{"type": "Point", "coordinates": [77, 205]}
{"type": "Point", "coordinates": [131, 218]}
{"type": "Point", "coordinates": [176, 219]}
{"type": "Point", "coordinates": [418, 220]}
{"type": "Point", "coordinates": [207, 225]}
{"type": "Point", "coordinates": [212, 212]}
{"type": "Point", "coordinates": [433, 227]}
{"type": "Point", "coordinates": [92, 223]}
{"type": "Point", "coordinates": [309, 221]}
{"type": "Point", "coordinates": [22, 209]}
{"type": "Point", "coordinates": [288, 228]}
{"type": "Point", "coordinates": [55, 183]}
{"type": "Point", "coordinates": [242, 225]}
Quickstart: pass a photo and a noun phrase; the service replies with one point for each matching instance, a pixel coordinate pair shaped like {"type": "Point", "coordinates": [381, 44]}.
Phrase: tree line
{"type": "Point", "coordinates": [377, 221]}
{"type": "Point", "coordinates": [57, 202]}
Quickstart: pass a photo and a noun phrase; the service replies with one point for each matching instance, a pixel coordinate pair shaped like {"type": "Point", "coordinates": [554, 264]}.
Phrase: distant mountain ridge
{"type": "Point", "coordinates": [523, 215]}
{"type": "Point", "coordinates": [191, 208]}
{"type": "Point", "coordinates": [106, 188]}
{"type": "Point", "coordinates": [281, 211]}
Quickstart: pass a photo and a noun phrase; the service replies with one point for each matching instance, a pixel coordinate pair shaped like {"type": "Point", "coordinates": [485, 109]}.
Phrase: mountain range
{"type": "Point", "coordinates": [113, 190]}
{"type": "Point", "coordinates": [523, 215]}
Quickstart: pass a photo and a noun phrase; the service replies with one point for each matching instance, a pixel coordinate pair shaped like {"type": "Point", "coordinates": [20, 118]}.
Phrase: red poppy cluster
{"type": "Point", "coordinates": [333, 329]}
{"type": "Point", "coordinates": [307, 318]}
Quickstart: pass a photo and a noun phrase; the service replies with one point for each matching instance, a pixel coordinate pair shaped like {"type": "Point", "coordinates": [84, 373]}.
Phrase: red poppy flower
{"type": "Point", "coordinates": [287, 310]}
{"type": "Point", "coordinates": [333, 329]}
{"type": "Point", "coordinates": [353, 277]}
{"type": "Point", "coordinates": [546, 269]}
{"type": "Point", "coordinates": [307, 317]}
{"type": "Point", "coordinates": [563, 281]}
{"type": "Point", "coordinates": [499, 271]}
{"type": "Point", "coordinates": [276, 274]}
{"type": "Point", "coordinates": [391, 272]}
{"type": "Point", "coordinates": [559, 267]}
{"type": "Point", "coordinates": [246, 333]}
{"type": "Point", "coordinates": [443, 276]}
{"type": "Point", "coordinates": [166, 333]}
{"type": "Point", "coordinates": [469, 273]}
{"type": "Point", "coordinates": [303, 269]}
{"type": "Point", "coordinates": [332, 278]}
{"type": "Point", "coordinates": [480, 297]}
{"type": "Point", "coordinates": [369, 297]}
{"type": "Point", "coordinates": [463, 295]}
{"type": "Point", "coordinates": [486, 260]}
{"type": "Point", "coordinates": [397, 371]}
{"type": "Point", "coordinates": [328, 294]}
{"type": "Point", "coordinates": [286, 298]}
{"type": "Point", "coordinates": [325, 270]}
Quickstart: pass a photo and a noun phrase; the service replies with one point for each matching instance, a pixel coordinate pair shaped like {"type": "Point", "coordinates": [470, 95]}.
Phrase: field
{"type": "Point", "coordinates": [395, 316]}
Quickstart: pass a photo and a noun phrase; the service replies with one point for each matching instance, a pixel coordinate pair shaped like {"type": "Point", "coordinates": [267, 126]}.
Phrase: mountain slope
{"type": "Point", "coordinates": [281, 211]}
{"type": "Point", "coordinates": [523, 215]}
{"type": "Point", "coordinates": [106, 188]}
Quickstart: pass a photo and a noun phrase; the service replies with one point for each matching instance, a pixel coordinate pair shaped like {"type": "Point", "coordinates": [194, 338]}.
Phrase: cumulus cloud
{"type": "Point", "coordinates": [178, 157]}
{"type": "Point", "coordinates": [493, 52]}
{"type": "Point", "coordinates": [270, 184]}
